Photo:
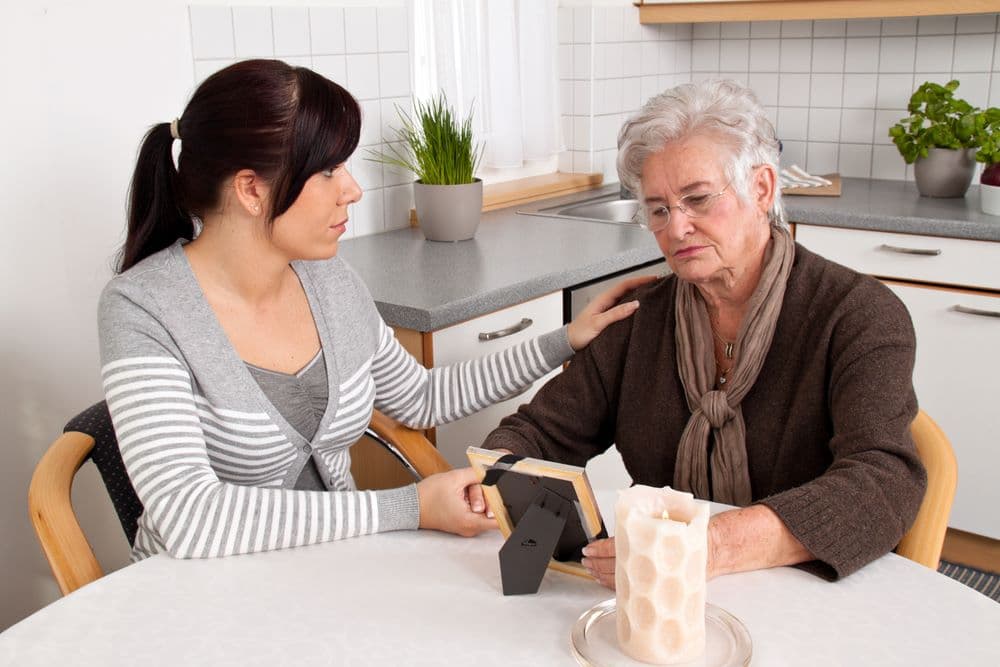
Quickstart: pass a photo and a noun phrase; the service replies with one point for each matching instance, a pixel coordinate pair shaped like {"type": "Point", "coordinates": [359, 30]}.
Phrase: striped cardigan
{"type": "Point", "coordinates": [214, 462]}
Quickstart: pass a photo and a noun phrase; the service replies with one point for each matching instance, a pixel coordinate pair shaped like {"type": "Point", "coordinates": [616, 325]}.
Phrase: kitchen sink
{"type": "Point", "coordinates": [608, 209]}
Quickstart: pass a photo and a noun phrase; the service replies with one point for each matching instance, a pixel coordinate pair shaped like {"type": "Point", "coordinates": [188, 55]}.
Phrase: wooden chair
{"type": "Point", "coordinates": [923, 542]}
{"type": "Point", "coordinates": [390, 455]}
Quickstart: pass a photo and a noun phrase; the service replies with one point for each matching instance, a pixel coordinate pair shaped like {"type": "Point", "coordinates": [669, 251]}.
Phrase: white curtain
{"type": "Point", "coordinates": [496, 58]}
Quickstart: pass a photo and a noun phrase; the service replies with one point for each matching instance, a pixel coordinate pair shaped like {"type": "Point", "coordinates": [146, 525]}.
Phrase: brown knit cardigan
{"type": "Point", "coordinates": [827, 421]}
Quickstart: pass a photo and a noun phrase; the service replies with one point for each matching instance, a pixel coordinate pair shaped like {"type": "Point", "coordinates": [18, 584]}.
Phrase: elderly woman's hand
{"type": "Point", "coordinates": [601, 312]}
{"type": "Point", "coordinates": [599, 559]}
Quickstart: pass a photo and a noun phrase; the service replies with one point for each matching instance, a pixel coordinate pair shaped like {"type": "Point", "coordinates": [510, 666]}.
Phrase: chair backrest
{"type": "Point", "coordinates": [95, 421]}
{"type": "Point", "coordinates": [923, 542]}
{"type": "Point", "coordinates": [90, 435]}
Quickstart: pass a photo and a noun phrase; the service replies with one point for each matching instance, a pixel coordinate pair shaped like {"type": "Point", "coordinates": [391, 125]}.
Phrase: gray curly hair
{"type": "Point", "coordinates": [722, 108]}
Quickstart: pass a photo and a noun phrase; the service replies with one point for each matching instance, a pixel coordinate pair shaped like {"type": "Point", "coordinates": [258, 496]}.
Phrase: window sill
{"type": "Point", "coordinates": [532, 188]}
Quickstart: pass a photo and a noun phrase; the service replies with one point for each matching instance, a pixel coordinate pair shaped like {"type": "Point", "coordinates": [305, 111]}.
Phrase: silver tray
{"type": "Point", "coordinates": [595, 639]}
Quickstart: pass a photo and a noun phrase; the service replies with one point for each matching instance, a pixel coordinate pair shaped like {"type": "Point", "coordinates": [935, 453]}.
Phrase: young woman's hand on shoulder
{"type": "Point", "coordinates": [602, 311]}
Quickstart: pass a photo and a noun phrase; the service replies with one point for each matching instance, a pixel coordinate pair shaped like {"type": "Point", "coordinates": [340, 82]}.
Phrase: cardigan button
{"type": "Point", "coordinates": [306, 448]}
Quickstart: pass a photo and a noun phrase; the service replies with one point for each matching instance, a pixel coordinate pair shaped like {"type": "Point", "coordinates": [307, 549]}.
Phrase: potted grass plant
{"type": "Point", "coordinates": [988, 129]}
{"type": "Point", "coordinates": [939, 138]}
{"type": "Point", "coordinates": [439, 149]}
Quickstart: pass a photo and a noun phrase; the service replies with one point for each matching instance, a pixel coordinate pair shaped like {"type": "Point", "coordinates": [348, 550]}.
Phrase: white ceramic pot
{"type": "Point", "coordinates": [448, 212]}
{"type": "Point", "coordinates": [989, 199]}
{"type": "Point", "coordinates": [945, 172]}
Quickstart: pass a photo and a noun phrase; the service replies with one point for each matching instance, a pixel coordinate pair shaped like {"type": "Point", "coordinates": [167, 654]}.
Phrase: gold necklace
{"type": "Point", "coordinates": [729, 347]}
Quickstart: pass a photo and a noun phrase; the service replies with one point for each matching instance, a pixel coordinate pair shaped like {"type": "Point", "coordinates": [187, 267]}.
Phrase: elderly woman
{"type": "Point", "coordinates": [759, 374]}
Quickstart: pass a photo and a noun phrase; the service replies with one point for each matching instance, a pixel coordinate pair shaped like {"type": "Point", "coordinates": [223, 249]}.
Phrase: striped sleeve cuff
{"type": "Point", "coordinates": [398, 509]}
{"type": "Point", "coordinates": [555, 346]}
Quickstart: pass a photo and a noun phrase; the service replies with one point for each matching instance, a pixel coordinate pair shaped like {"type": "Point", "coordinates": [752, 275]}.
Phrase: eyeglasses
{"type": "Point", "coordinates": [695, 205]}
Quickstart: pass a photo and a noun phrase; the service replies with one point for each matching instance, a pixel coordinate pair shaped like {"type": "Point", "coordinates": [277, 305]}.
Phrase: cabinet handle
{"type": "Point", "coordinates": [910, 251]}
{"type": "Point", "coordinates": [976, 311]}
{"type": "Point", "coordinates": [509, 331]}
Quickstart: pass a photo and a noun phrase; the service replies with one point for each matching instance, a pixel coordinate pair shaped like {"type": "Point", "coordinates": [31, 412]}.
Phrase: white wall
{"type": "Point", "coordinates": [81, 83]}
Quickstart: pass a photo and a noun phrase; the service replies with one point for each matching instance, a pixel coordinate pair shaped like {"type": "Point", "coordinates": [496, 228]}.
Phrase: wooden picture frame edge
{"type": "Point", "coordinates": [482, 459]}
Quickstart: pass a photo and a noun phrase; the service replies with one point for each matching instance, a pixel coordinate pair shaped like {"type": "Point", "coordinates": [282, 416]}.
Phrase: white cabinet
{"type": "Point", "coordinates": [957, 364]}
{"type": "Point", "coordinates": [462, 342]}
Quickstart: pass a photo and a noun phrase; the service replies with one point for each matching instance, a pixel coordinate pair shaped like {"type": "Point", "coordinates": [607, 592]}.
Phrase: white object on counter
{"type": "Point", "coordinates": [989, 199]}
{"type": "Point", "coordinates": [661, 547]}
{"type": "Point", "coordinates": [797, 177]}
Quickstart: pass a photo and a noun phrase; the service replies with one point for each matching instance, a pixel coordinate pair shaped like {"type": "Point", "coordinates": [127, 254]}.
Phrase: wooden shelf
{"type": "Point", "coordinates": [782, 10]}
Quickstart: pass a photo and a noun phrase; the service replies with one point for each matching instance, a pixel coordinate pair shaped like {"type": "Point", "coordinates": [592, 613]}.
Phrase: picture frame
{"type": "Point", "coordinates": [509, 500]}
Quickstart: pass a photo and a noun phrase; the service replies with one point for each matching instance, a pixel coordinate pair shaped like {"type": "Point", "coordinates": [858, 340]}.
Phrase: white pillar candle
{"type": "Point", "coordinates": [660, 574]}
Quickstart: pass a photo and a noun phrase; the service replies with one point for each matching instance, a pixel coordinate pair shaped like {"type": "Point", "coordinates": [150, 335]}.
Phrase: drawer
{"type": "Point", "coordinates": [461, 343]}
{"type": "Point", "coordinates": [930, 259]}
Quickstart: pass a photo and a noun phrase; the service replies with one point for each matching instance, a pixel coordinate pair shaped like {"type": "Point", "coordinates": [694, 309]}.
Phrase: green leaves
{"type": "Point", "coordinates": [988, 133]}
{"type": "Point", "coordinates": [937, 119]}
{"type": "Point", "coordinates": [435, 145]}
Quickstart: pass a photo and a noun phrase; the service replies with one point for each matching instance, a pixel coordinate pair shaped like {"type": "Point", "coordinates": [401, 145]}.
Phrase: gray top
{"type": "Point", "coordinates": [426, 286]}
{"type": "Point", "coordinates": [301, 399]}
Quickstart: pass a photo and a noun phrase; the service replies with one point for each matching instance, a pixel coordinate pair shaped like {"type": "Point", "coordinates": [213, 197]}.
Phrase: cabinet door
{"type": "Point", "coordinates": [461, 343]}
{"type": "Point", "coordinates": [956, 375]}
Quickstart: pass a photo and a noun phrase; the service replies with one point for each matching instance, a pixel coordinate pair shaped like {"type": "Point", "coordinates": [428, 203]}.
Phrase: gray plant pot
{"type": "Point", "coordinates": [945, 172]}
{"type": "Point", "coordinates": [448, 212]}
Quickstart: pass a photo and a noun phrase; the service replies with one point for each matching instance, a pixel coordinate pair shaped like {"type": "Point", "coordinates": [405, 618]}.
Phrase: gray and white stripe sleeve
{"type": "Point", "coordinates": [420, 398]}
{"type": "Point", "coordinates": [194, 514]}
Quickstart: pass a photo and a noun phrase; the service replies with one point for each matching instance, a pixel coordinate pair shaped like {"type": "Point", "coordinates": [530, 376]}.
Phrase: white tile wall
{"type": "Point", "coordinates": [835, 87]}
{"type": "Point", "coordinates": [364, 49]}
{"type": "Point", "coordinates": [609, 65]}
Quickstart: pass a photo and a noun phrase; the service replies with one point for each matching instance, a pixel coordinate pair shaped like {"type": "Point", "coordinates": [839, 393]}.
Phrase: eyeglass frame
{"type": "Point", "coordinates": [643, 220]}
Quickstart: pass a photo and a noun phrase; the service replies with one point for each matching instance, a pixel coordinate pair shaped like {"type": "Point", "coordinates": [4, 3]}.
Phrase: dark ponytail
{"type": "Point", "coordinates": [285, 123]}
{"type": "Point", "coordinates": [155, 218]}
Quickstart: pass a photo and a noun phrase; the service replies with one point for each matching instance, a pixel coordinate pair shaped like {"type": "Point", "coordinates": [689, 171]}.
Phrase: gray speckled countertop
{"type": "Point", "coordinates": [895, 206]}
{"type": "Point", "coordinates": [426, 286]}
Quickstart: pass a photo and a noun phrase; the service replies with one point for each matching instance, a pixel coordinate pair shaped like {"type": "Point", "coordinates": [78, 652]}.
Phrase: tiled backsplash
{"type": "Point", "coordinates": [364, 49]}
{"type": "Point", "coordinates": [609, 65]}
{"type": "Point", "coordinates": [832, 88]}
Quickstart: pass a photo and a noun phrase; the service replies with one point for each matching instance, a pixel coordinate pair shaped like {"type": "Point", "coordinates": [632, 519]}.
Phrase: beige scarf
{"type": "Point", "coordinates": [717, 414]}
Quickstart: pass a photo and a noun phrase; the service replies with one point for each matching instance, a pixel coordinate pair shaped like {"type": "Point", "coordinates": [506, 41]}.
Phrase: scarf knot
{"type": "Point", "coordinates": [715, 405]}
{"type": "Point", "coordinates": [717, 416]}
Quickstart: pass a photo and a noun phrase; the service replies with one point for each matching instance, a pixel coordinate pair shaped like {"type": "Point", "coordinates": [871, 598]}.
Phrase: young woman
{"type": "Point", "coordinates": [241, 358]}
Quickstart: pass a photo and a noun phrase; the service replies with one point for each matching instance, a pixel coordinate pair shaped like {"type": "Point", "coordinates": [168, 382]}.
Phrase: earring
{"type": "Point", "coordinates": [256, 208]}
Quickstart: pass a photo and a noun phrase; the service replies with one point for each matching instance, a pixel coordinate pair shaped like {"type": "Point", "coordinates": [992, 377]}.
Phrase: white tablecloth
{"type": "Point", "coordinates": [422, 598]}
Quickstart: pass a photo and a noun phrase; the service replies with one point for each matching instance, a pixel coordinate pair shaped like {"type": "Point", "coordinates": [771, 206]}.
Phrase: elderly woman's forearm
{"type": "Point", "coordinates": [751, 538]}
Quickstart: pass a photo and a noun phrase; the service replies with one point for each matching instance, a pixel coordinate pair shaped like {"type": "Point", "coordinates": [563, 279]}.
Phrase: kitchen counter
{"type": "Point", "coordinates": [426, 285]}
{"type": "Point", "coordinates": [895, 206]}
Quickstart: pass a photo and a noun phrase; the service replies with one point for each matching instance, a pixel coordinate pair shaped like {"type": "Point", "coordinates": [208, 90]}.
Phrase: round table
{"type": "Point", "coordinates": [424, 598]}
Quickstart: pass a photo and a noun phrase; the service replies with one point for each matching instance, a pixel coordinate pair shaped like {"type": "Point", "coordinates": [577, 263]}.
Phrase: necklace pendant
{"type": "Point", "coordinates": [722, 380]}
{"type": "Point", "coordinates": [729, 350]}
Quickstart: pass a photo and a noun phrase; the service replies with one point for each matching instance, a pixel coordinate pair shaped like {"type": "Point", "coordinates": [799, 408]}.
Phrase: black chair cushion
{"type": "Point", "coordinates": [95, 421]}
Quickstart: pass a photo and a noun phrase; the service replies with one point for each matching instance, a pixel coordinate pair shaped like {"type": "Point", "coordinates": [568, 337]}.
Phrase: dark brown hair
{"type": "Point", "coordinates": [285, 123]}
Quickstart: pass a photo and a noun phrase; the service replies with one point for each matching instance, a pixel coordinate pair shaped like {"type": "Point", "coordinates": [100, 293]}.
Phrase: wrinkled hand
{"type": "Point", "coordinates": [453, 502]}
{"type": "Point", "coordinates": [599, 559]}
{"type": "Point", "coordinates": [601, 312]}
